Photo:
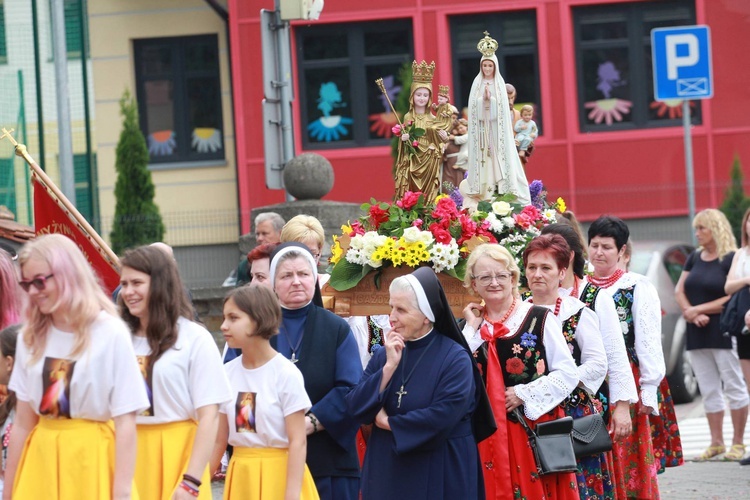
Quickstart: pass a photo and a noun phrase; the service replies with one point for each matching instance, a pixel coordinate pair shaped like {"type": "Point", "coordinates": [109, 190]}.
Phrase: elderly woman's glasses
{"type": "Point", "coordinates": [39, 283]}
{"type": "Point", "coordinates": [487, 279]}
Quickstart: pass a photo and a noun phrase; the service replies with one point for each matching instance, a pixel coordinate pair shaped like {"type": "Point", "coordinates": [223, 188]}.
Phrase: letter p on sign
{"type": "Point", "coordinates": [677, 58]}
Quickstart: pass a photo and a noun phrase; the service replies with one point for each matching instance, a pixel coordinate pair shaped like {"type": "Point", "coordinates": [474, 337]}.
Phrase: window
{"type": "Point", "coordinates": [340, 103]}
{"type": "Point", "coordinates": [179, 98]}
{"type": "Point", "coordinates": [515, 33]}
{"type": "Point", "coordinates": [8, 183]}
{"type": "Point", "coordinates": [75, 23]}
{"type": "Point", "coordinates": [85, 194]}
{"type": "Point", "coordinates": [3, 45]}
{"type": "Point", "coordinates": [615, 76]}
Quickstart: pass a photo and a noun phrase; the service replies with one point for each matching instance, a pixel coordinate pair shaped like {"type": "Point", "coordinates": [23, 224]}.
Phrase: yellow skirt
{"type": "Point", "coordinates": [260, 474]}
{"type": "Point", "coordinates": [67, 459]}
{"type": "Point", "coordinates": [163, 455]}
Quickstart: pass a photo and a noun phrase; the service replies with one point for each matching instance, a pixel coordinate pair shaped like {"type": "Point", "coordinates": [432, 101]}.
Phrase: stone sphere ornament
{"type": "Point", "coordinates": [308, 176]}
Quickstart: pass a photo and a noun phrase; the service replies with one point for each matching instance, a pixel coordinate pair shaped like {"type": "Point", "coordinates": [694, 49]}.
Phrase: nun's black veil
{"type": "Point", "coordinates": [483, 420]}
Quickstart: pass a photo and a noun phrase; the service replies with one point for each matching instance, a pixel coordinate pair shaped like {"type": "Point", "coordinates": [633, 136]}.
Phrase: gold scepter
{"type": "Point", "coordinates": [381, 86]}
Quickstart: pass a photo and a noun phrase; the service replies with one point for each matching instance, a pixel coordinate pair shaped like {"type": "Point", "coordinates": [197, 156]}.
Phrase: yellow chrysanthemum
{"type": "Point", "coordinates": [424, 256]}
{"type": "Point", "coordinates": [346, 228]}
{"type": "Point", "coordinates": [336, 251]}
{"type": "Point", "coordinates": [412, 261]}
{"type": "Point", "coordinates": [561, 207]}
{"type": "Point", "coordinates": [440, 197]}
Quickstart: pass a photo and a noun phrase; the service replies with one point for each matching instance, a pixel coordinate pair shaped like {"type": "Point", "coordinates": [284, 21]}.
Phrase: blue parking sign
{"type": "Point", "coordinates": [682, 63]}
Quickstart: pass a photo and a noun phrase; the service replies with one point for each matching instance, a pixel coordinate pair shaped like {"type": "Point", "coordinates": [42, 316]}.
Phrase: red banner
{"type": "Point", "coordinates": [51, 217]}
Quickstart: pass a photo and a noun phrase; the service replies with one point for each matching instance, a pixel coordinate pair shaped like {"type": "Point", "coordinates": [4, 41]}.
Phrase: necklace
{"type": "Point", "coordinates": [507, 314]}
{"type": "Point", "coordinates": [405, 380]}
{"type": "Point", "coordinates": [575, 287]}
{"type": "Point", "coordinates": [292, 348]}
{"type": "Point", "coordinates": [608, 281]}
{"type": "Point", "coordinates": [558, 303]}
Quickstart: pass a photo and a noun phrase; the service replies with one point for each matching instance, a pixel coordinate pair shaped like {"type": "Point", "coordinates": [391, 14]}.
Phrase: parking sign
{"type": "Point", "coordinates": [682, 63]}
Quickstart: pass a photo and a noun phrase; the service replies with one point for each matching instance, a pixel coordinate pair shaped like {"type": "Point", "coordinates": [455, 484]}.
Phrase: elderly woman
{"type": "Point", "coordinates": [421, 393]}
{"type": "Point", "coordinates": [546, 260]}
{"type": "Point", "coordinates": [526, 362]}
{"type": "Point", "coordinates": [700, 293]}
{"type": "Point", "coordinates": [619, 391]}
{"type": "Point", "coordinates": [322, 347]}
{"type": "Point", "coordinates": [654, 442]}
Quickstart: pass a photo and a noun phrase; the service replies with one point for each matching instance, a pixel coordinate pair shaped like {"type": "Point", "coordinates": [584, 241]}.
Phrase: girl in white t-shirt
{"type": "Point", "coordinates": [182, 372]}
{"type": "Point", "coordinates": [265, 421]}
{"type": "Point", "coordinates": [75, 373]}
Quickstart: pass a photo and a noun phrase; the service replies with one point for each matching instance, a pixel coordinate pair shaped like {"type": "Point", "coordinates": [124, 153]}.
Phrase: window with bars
{"type": "Point", "coordinates": [614, 67]}
{"type": "Point", "coordinates": [340, 103]}
{"type": "Point", "coordinates": [178, 89]}
{"type": "Point", "coordinates": [517, 55]}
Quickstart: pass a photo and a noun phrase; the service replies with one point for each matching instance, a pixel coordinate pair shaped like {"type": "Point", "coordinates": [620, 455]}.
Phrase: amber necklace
{"type": "Point", "coordinates": [608, 281]}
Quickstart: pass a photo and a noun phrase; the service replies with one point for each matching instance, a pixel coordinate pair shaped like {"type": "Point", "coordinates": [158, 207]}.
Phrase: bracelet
{"type": "Point", "coordinates": [313, 421]}
{"type": "Point", "coordinates": [193, 491]}
{"type": "Point", "coordinates": [189, 478]}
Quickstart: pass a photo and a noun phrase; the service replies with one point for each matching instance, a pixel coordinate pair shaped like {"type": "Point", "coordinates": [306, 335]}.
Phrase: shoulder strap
{"type": "Point", "coordinates": [522, 420]}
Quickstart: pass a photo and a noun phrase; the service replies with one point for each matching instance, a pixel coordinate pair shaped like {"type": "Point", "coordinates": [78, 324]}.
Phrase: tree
{"type": "Point", "coordinates": [137, 219]}
{"type": "Point", "coordinates": [735, 202]}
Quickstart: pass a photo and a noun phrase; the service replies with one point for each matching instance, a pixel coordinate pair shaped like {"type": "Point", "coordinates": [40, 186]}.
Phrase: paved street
{"type": "Point", "coordinates": [713, 480]}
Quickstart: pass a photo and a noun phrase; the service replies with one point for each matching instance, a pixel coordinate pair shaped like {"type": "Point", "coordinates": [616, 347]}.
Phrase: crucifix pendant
{"type": "Point", "coordinates": [294, 359]}
{"type": "Point", "coordinates": [401, 393]}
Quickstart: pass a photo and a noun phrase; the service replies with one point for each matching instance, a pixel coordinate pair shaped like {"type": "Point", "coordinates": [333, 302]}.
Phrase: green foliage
{"type": "Point", "coordinates": [402, 102]}
{"type": "Point", "coordinates": [735, 201]}
{"type": "Point", "coordinates": [137, 219]}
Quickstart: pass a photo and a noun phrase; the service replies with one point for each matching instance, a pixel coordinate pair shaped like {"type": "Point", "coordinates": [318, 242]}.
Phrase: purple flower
{"type": "Point", "coordinates": [457, 198]}
{"type": "Point", "coordinates": [535, 188]}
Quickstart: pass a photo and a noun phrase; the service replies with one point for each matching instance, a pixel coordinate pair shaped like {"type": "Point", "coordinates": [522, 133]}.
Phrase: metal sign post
{"type": "Point", "coordinates": [682, 70]}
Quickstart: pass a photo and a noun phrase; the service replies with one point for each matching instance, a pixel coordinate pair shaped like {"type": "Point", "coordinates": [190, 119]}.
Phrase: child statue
{"type": "Point", "coordinates": [526, 130]}
{"type": "Point", "coordinates": [456, 154]}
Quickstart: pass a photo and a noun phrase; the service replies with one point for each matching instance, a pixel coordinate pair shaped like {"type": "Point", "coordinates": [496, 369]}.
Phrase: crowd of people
{"type": "Point", "coordinates": [134, 392]}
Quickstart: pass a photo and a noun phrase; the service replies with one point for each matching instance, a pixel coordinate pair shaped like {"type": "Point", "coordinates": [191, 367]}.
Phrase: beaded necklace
{"type": "Point", "coordinates": [608, 281]}
{"type": "Point", "coordinates": [507, 314]}
{"type": "Point", "coordinates": [558, 304]}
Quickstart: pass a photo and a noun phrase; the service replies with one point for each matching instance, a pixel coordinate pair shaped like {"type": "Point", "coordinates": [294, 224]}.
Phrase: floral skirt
{"type": "Point", "coordinates": [525, 480]}
{"type": "Point", "coordinates": [594, 475]}
{"type": "Point", "coordinates": [635, 465]}
{"type": "Point", "coordinates": [665, 434]}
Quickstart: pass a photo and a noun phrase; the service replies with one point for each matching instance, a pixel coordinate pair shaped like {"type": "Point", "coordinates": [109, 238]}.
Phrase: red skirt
{"type": "Point", "coordinates": [665, 434]}
{"type": "Point", "coordinates": [635, 465]}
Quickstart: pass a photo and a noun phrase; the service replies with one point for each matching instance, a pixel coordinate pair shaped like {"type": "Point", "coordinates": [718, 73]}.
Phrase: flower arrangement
{"type": "Point", "coordinates": [413, 132]}
{"type": "Point", "coordinates": [414, 231]}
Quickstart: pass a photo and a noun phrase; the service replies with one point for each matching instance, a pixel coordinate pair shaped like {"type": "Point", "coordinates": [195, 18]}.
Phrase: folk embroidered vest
{"type": "Point", "coordinates": [624, 304]}
{"type": "Point", "coordinates": [522, 355]}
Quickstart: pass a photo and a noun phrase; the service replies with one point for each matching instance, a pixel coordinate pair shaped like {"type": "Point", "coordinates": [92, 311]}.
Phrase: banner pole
{"type": "Point", "coordinates": [37, 171]}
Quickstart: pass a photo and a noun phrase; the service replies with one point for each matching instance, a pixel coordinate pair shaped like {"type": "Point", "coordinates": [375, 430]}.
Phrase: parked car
{"type": "Point", "coordinates": [662, 263]}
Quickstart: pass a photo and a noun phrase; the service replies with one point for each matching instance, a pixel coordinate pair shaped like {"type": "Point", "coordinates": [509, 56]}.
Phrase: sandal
{"type": "Point", "coordinates": [710, 453]}
{"type": "Point", "coordinates": [735, 453]}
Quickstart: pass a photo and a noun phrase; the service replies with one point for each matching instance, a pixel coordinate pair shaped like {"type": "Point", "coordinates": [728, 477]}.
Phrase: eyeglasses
{"type": "Point", "coordinates": [487, 279]}
{"type": "Point", "coordinates": [39, 283]}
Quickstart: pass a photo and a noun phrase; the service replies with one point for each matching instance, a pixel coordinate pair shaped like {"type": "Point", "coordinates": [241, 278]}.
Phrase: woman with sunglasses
{"type": "Point", "coordinates": [182, 369]}
{"type": "Point", "coordinates": [72, 335]}
{"type": "Point", "coordinates": [526, 364]}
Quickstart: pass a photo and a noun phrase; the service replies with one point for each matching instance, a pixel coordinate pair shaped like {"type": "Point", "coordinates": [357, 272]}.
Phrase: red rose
{"type": "Point", "coordinates": [378, 216]}
{"type": "Point", "coordinates": [514, 366]}
{"type": "Point", "coordinates": [440, 233]}
{"type": "Point", "coordinates": [357, 229]}
{"type": "Point", "coordinates": [445, 209]}
{"type": "Point", "coordinates": [409, 199]}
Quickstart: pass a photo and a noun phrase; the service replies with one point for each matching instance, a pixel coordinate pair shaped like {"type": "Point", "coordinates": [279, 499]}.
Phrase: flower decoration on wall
{"type": "Point", "coordinates": [415, 232]}
{"type": "Point", "coordinates": [161, 143]}
{"type": "Point", "coordinates": [206, 140]}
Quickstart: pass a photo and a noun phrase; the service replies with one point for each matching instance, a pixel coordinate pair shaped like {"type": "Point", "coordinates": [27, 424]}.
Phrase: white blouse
{"type": "Point", "coordinates": [647, 322]}
{"type": "Point", "coordinates": [593, 367]}
{"type": "Point", "coordinates": [548, 391]}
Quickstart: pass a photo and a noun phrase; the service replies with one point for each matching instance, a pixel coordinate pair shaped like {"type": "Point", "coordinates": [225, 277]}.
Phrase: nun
{"type": "Point", "coordinates": [426, 399]}
{"type": "Point", "coordinates": [323, 348]}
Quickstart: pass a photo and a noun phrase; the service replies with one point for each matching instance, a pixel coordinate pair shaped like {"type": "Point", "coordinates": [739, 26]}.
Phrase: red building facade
{"type": "Point", "coordinates": [585, 65]}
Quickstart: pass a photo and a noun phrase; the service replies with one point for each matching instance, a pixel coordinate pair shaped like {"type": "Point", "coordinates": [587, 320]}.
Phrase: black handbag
{"type": "Point", "coordinates": [590, 436]}
{"type": "Point", "coordinates": [551, 443]}
{"type": "Point", "coordinates": [732, 319]}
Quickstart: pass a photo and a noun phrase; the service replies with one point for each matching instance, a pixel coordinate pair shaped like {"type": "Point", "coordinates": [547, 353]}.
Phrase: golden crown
{"type": "Point", "coordinates": [444, 90]}
{"type": "Point", "coordinates": [487, 45]}
{"type": "Point", "coordinates": [422, 72]}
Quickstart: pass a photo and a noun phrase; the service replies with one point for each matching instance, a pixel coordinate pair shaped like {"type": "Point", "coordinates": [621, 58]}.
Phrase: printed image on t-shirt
{"type": "Point", "coordinates": [56, 376]}
{"type": "Point", "coordinates": [245, 412]}
{"type": "Point", "coordinates": [147, 371]}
